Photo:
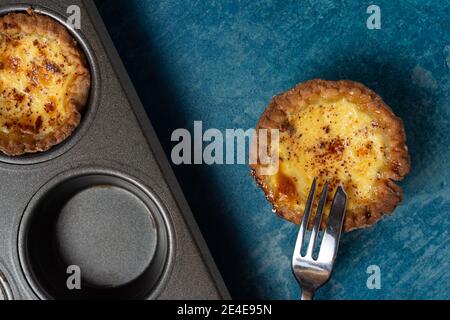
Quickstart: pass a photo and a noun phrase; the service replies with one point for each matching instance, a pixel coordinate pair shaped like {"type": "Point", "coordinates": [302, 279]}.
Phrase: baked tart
{"type": "Point", "coordinates": [340, 132]}
{"type": "Point", "coordinates": [44, 83]}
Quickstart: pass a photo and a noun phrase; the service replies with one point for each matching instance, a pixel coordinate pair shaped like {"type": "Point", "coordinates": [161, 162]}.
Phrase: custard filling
{"type": "Point", "coordinates": [35, 74]}
{"type": "Point", "coordinates": [336, 141]}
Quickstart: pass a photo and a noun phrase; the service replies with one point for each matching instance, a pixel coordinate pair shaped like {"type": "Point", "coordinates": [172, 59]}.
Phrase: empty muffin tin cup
{"type": "Point", "coordinates": [95, 235]}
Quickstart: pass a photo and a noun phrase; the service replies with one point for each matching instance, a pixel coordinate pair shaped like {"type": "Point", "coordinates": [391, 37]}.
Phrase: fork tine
{"type": "Point", "coordinates": [330, 241]}
{"type": "Point", "coordinates": [304, 223]}
{"type": "Point", "coordinates": [317, 220]}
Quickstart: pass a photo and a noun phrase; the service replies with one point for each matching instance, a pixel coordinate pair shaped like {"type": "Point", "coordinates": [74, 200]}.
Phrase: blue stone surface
{"type": "Point", "coordinates": [222, 61]}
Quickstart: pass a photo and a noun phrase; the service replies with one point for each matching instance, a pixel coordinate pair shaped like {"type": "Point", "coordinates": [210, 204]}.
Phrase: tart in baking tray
{"type": "Point", "coordinates": [44, 83]}
{"type": "Point", "coordinates": [342, 132]}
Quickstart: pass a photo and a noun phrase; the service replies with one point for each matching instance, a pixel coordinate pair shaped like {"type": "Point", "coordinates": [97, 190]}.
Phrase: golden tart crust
{"type": "Point", "coordinates": [342, 132]}
{"type": "Point", "coordinates": [44, 83]}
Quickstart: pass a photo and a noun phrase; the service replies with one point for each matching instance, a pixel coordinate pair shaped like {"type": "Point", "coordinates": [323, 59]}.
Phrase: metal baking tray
{"type": "Point", "coordinates": [100, 216]}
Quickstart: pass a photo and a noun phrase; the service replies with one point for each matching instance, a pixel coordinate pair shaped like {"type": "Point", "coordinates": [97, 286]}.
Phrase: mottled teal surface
{"type": "Point", "coordinates": [222, 61]}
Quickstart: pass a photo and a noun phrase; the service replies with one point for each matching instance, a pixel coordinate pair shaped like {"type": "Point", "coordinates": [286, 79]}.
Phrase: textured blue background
{"type": "Point", "coordinates": [222, 61]}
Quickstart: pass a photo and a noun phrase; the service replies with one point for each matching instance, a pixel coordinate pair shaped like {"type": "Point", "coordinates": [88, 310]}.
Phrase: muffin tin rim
{"type": "Point", "coordinates": [5, 287]}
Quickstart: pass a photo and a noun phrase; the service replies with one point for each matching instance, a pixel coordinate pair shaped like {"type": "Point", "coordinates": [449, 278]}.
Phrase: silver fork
{"type": "Point", "coordinates": [312, 273]}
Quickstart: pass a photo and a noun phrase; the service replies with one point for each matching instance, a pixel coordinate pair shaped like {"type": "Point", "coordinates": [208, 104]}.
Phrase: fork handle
{"type": "Point", "coordinates": [307, 295]}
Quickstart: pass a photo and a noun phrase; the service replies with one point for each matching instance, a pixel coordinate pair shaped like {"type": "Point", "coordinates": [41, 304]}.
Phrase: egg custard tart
{"type": "Point", "coordinates": [340, 132]}
{"type": "Point", "coordinates": [44, 83]}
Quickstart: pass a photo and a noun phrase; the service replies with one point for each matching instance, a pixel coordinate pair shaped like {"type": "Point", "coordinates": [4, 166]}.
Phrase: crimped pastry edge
{"type": "Point", "coordinates": [390, 194]}
{"type": "Point", "coordinates": [78, 91]}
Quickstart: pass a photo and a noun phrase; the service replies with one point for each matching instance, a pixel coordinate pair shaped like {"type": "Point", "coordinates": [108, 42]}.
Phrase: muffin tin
{"type": "Point", "coordinates": [101, 215]}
